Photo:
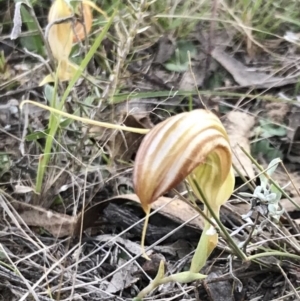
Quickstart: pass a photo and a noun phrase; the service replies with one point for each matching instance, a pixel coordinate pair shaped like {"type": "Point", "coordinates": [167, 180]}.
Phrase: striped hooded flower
{"type": "Point", "coordinates": [192, 146]}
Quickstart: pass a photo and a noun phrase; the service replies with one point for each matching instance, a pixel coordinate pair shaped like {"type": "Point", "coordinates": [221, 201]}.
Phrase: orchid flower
{"type": "Point", "coordinates": [192, 146]}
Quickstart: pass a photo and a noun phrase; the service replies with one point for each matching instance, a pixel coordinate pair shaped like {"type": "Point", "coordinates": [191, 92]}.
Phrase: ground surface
{"type": "Point", "coordinates": [239, 59]}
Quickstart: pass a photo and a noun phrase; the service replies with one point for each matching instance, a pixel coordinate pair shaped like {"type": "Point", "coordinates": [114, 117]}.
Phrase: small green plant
{"type": "Point", "coordinates": [267, 193]}
{"type": "Point", "coordinates": [180, 60]}
{"type": "Point", "coordinates": [263, 145]}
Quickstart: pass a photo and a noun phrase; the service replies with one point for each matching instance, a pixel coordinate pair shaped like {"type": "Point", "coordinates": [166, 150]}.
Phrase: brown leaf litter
{"type": "Point", "coordinates": [239, 126]}
{"type": "Point", "coordinates": [63, 225]}
{"type": "Point", "coordinates": [247, 78]}
{"type": "Point", "coordinates": [123, 145]}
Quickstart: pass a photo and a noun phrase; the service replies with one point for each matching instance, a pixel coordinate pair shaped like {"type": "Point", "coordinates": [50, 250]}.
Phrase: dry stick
{"type": "Point", "coordinates": [195, 82]}
{"type": "Point", "coordinates": [15, 218]}
{"type": "Point", "coordinates": [247, 182]}
{"type": "Point", "coordinates": [125, 45]}
{"type": "Point", "coordinates": [291, 180]}
{"type": "Point", "coordinates": [22, 290]}
{"type": "Point", "coordinates": [239, 24]}
{"type": "Point", "coordinates": [250, 234]}
{"type": "Point", "coordinates": [136, 256]}
{"type": "Point", "coordinates": [25, 296]}
{"type": "Point", "coordinates": [294, 225]}
{"type": "Point", "coordinates": [80, 237]}
{"type": "Point", "coordinates": [288, 281]}
{"type": "Point", "coordinates": [211, 35]}
{"type": "Point", "coordinates": [29, 287]}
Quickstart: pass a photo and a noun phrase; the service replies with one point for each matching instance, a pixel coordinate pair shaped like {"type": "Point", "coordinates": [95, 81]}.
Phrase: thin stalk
{"type": "Point", "coordinates": [229, 240]}
{"type": "Point", "coordinates": [274, 253]}
{"type": "Point", "coordinates": [45, 157]}
{"type": "Point", "coordinates": [86, 120]}
{"type": "Point", "coordinates": [127, 96]}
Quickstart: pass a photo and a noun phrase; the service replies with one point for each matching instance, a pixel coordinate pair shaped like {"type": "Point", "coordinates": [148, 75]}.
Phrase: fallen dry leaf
{"type": "Point", "coordinates": [192, 79]}
{"type": "Point", "coordinates": [130, 246]}
{"type": "Point", "coordinates": [238, 126]}
{"type": "Point", "coordinates": [57, 224]}
{"type": "Point", "coordinates": [165, 48]}
{"type": "Point", "coordinates": [122, 145]}
{"type": "Point", "coordinates": [219, 288]}
{"type": "Point", "coordinates": [277, 111]}
{"type": "Point", "coordinates": [82, 28]}
{"type": "Point", "coordinates": [125, 144]}
{"type": "Point", "coordinates": [247, 78]}
{"type": "Point", "coordinates": [174, 209]}
{"type": "Point", "coordinates": [62, 225]}
{"type": "Point", "coordinates": [21, 189]}
{"type": "Point", "coordinates": [288, 205]}
{"type": "Point", "coordinates": [123, 278]}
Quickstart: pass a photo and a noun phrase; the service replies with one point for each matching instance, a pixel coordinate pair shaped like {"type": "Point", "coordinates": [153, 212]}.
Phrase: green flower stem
{"type": "Point", "coordinates": [45, 157]}
{"type": "Point", "coordinates": [153, 284]}
{"type": "Point", "coordinates": [194, 205]}
{"type": "Point", "coordinates": [228, 238]}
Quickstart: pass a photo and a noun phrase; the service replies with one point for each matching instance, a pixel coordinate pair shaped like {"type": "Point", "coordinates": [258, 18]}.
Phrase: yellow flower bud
{"type": "Point", "coordinates": [60, 36]}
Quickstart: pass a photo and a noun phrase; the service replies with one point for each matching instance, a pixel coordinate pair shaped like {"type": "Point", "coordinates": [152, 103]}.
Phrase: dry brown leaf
{"type": "Point", "coordinates": [277, 111]}
{"type": "Point", "coordinates": [192, 79]}
{"type": "Point", "coordinates": [247, 78]}
{"type": "Point", "coordinates": [59, 225]}
{"type": "Point", "coordinates": [238, 126]}
{"type": "Point", "coordinates": [123, 278]}
{"type": "Point", "coordinates": [122, 145]}
{"type": "Point", "coordinates": [125, 144]}
{"type": "Point", "coordinates": [175, 209]}
{"type": "Point", "coordinates": [220, 288]}
{"type": "Point", "coordinates": [62, 225]}
{"type": "Point", "coordinates": [288, 205]}
{"type": "Point", "coordinates": [165, 48]}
